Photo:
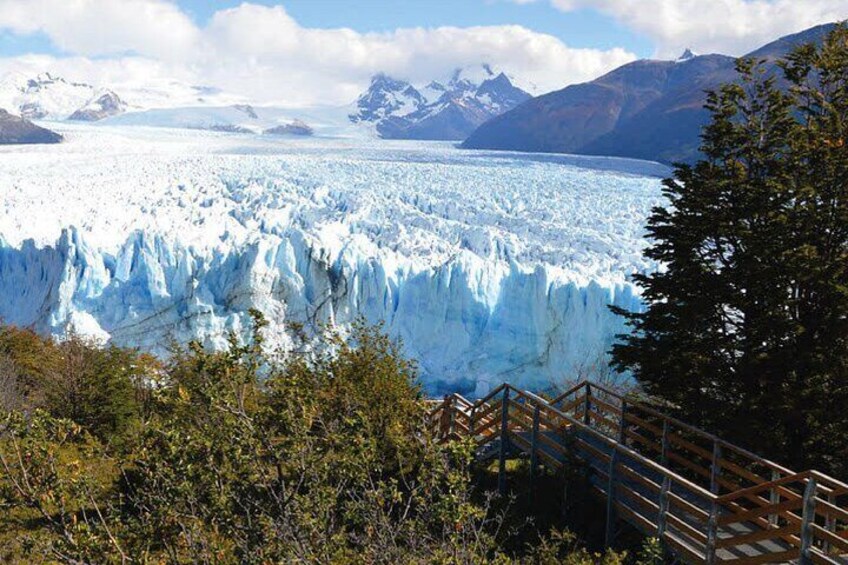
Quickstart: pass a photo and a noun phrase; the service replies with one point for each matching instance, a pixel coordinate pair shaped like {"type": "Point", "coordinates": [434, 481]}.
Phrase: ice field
{"type": "Point", "coordinates": [489, 266]}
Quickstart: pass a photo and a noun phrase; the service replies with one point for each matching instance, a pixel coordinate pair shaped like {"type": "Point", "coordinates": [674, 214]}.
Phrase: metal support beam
{"type": "Point", "coordinates": [808, 517]}
{"type": "Point", "coordinates": [712, 534]}
{"type": "Point", "coordinates": [587, 406]}
{"type": "Point", "coordinates": [534, 445]}
{"type": "Point", "coordinates": [774, 497]}
{"type": "Point", "coordinates": [830, 522]}
{"type": "Point", "coordinates": [622, 424]}
{"type": "Point", "coordinates": [610, 530]}
{"type": "Point", "coordinates": [504, 442]}
{"type": "Point", "coordinates": [715, 468]}
{"type": "Point", "coordinates": [665, 444]}
{"type": "Point", "coordinates": [661, 518]}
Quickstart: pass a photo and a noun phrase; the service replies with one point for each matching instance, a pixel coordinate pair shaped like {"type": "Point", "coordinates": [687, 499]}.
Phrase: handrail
{"type": "Point", "coordinates": [641, 459]}
{"type": "Point", "coordinates": [765, 486]}
{"type": "Point", "coordinates": [688, 427]}
{"type": "Point", "coordinates": [770, 508]}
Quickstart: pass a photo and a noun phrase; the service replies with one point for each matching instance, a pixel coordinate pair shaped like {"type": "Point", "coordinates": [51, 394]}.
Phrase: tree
{"type": "Point", "coordinates": [746, 329]}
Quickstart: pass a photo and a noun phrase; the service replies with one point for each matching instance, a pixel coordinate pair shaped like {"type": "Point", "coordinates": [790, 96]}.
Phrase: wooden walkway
{"type": "Point", "coordinates": [707, 500]}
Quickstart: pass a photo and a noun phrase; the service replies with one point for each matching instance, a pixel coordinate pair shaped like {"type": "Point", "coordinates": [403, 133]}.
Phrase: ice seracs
{"type": "Point", "coordinates": [484, 264]}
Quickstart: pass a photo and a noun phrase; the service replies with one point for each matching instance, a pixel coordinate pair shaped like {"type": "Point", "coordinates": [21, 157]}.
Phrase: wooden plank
{"type": "Point", "coordinates": [686, 528]}
{"type": "Point", "coordinates": [822, 533]}
{"type": "Point", "coordinates": [753, 537]}
{"type": "Point", "coordinates": [819, 557]}
{"type": "Point", "coordinates": [553, 443]}
{"type": "Point", "coordinates": [694, 555]}
{"type": "Point", "coordinates": [680, 459]}
{"type": "Point", "coordinates": [749, 515]}
{"type": "Point", "coordinates": [762, 486]}
{"type": "Point", "coordinates": [609, 407]}
{"type": "Point", "coordinates": [569, 392]}
{"type": "Point", "coordinates": [779, 557]}
{"type": "Point", "coordinates": [643, 440]}
{"type": "Point", "coordinates": [633, 475]}
{"type": "Point", "coordinates": [638, 520]}
{"type": "Point", "coordinates": [603, 457]}
{"type": "Point", "coordinates": [489, 410]}
{"type": "Point", "coordinates": [633, 419]}
{"type": "Point", "coordinates": [572, 405]}
{"type": "Point", "coordinates": [826, 508]}
{"type": "Point", "coordinates": [688, 445]}
{"type": "Point", "coordinates": [555, 423]}
{"type": "Point", "coordinates": [635, 496]}
{"type": "Point", "coordinates": [688, 507]}
{"type": "Point", "coordinates": [603, 420]}
{"type": "Point", "coordinates": [740, 471]}
{"type": "Point", "coordinates": [484, 427]}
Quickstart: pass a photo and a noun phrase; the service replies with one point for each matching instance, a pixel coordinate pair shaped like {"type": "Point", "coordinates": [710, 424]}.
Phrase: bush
{"type": "Point", "coordinates": [323, 457]}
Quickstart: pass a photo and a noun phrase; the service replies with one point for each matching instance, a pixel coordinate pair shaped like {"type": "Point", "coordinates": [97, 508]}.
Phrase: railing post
{"type": "Point", "coordinates": [774, 497]}
{"type": "Point", "coordinates": [622, 425]}
{"type": "Point", "coordinates": [453, 412]}
{"type": "Point", "coordinates": [587, 406]}
{"type": "Point", "coordinates": [715, 468]}
{"type": "Point", "coordinates": [661, 519]}
{"type": "Point", "coordinates": [471, 423]}
{"type": "Point", "coordinates": [534, 445]}
{"type": "Point", "coordinates": [712, 534]}
{"type": "Point", "coordinates": [808, 517]}
{"type": "Point", "coordinates": [445, 419]}
{"type": "Point", "coordinates": [664, 452]}
{"type": "Point", "coordinates": [830, 522]}
{"type": "Point", "coordinates": [504, 440]}
{"type": "Point", "coordinates": [610, 530]}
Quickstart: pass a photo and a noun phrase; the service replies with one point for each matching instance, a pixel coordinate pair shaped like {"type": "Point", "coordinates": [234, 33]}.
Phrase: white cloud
{"type": "Point", "coordinates": [104, 27]}
{"type": "Point", "coordinates": [263, 53]}
{"type": "Point", "coordinates": [733, 27]}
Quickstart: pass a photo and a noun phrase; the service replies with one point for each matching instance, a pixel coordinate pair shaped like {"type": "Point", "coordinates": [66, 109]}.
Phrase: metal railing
{"type": "Point", "coordinates": [705, 498]}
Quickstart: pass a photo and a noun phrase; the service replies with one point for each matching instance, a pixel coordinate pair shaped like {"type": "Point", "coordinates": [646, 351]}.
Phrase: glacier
{"type": "Point", "coordinates": [488, 266]}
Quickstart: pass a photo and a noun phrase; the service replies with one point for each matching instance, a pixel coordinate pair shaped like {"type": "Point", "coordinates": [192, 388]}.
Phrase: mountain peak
{"type": "Point", "coordinates": [439, 110]}
{"type": "Point", "coordinates": [687, 54]}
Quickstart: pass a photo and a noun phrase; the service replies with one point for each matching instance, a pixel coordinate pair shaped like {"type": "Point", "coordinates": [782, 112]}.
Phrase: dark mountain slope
{"type": "Point", "coordinates": [645, 109]}
{"type": "Point", "coordinates": [16, 130]}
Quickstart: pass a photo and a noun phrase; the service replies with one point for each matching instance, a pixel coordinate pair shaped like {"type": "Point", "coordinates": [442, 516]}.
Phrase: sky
{"type": "Point", "coordinates": [311, 52]}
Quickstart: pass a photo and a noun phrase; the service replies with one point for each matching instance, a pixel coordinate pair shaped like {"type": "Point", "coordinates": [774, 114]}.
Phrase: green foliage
{"type": "Point", "coordinates": [101, 389]}
{"type": "Point", "coordinates": [236, 457]}
{"type": "Point", "coordinates": [747, 332]}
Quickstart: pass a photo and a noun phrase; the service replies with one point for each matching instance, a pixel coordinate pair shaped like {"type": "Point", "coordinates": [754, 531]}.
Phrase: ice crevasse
{"type": "Point", "coordinates": [489, 267]}
{"type": "Point", "coordinates": [470, 323]}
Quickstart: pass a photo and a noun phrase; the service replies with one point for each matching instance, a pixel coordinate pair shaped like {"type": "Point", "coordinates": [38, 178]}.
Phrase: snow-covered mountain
{"type": "Point", "coordinates": [51, 97]}
{"type": "Point", "coordinates": [244, 118]}
{"type": "Point", "coordinates": [48, 96]}
{"type": "Point", "coordinates": [488, 266]}
{"type": "Point", "coordinates": [448, 110]}
{"type": "Point", "coordinates": [108, 104]}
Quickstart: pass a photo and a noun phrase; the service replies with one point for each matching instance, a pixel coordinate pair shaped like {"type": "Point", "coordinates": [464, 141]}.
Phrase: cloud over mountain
{"type": "Point", "coordinates": [265, 54]}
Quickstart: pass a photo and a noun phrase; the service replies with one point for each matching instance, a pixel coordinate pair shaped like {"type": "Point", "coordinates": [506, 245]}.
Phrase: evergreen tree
{"type": "Point", "coordinates": [746, 330]}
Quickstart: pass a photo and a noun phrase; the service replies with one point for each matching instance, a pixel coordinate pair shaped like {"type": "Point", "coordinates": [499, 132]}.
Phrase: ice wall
{"type": "Point", "coordinates": [468, 321]}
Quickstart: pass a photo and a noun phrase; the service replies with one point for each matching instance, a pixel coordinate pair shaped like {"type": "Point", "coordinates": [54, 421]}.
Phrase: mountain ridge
{"type": "Point", "coordinates": [439, 111]}
{"type": "Point", "coordinates": [646, 109]}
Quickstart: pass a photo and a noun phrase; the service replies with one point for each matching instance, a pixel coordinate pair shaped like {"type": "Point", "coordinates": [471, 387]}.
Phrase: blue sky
{"type": "Point", "coordinates": [581, 28]}
{"type": "Point", "coordinates": [306, 52]}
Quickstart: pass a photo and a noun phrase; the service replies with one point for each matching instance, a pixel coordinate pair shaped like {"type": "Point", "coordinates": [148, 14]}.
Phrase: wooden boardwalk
{"type": "Point", "coordinates": [707, 500]}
